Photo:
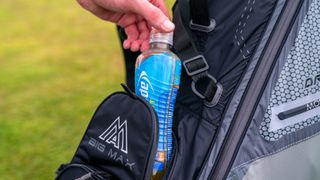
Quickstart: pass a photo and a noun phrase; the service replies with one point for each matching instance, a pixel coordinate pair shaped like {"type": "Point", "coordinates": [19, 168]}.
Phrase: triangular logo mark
{"type": "Point", "coordinates": [116, 134]}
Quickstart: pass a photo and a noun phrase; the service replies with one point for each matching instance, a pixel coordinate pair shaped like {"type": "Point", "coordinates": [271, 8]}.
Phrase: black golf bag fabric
{"type": "Point", "coordinates": [237, 54]}
{"type": "Point", "coordinates": [228, 50]}
{"type": "Point", "coordinates": [265, 54]}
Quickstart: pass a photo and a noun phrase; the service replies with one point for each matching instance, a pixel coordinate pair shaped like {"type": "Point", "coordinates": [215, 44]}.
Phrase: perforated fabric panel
{"type": "Point", "coordinates": [268, 150]}
{"type": "Point", "coordinates": [301, 67]}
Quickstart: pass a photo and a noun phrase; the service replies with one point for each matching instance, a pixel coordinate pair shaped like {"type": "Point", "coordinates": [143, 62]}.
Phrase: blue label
{"type": "Point", "coordinates": [157, 79]}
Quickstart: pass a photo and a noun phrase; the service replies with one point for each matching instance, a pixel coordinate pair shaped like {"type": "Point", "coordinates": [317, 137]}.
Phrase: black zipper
{"type": "Point", "coordinates": [249, 102]}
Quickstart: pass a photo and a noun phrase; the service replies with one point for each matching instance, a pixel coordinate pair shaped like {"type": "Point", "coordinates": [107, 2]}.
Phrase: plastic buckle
{"type": "Point", "coordinates": [203, 28]}
{"type": "Point", "coordinates": [197, 70]}
{"type": "Point", "coordinates": [216, 97]}
{"type": "Point", "coordinates": [214, 101]}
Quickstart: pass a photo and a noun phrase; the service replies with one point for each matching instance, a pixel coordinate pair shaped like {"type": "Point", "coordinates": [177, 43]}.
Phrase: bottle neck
{"type": "Point", "coordinates": [159, 45]}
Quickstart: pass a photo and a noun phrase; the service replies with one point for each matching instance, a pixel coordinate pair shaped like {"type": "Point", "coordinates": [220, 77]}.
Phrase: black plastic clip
{"type": "Point", "coordinates": [197, 68]}
{"type": "Point", "coordinates": [195, 65]}
{"type": "Point", "coordinates": [203, 28]}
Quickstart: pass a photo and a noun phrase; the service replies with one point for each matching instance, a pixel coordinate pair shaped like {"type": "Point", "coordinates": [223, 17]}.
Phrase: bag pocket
{"type": "Point", "coordinates": [193, 137]}
{"type": "Point", "coordinates": [121, 138]}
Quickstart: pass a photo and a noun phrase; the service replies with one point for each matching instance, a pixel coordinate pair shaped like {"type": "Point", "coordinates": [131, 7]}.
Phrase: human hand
{"type": "Point", "coordinates": [135, 16]}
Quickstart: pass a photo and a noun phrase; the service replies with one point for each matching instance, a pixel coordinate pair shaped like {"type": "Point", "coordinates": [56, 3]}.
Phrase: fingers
{"type": "Point", "coordinates": [132, 36]}
{"type": "Point", "coordinates": [138, 36]}
{"type": "Point", "coordinates": [154, 15]}
{"type": "Point", "coordinates": [144, 46]}
{"type": "Point", "coordinates": [144, 35]}
{"type": "Point", "coordinates": [144, 30]}
{"type": "Point", "coordinates": [135, 16]}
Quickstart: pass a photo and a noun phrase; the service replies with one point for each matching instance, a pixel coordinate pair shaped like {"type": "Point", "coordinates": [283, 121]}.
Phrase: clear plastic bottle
{"type": "Point", "coordinates": [157, 79]}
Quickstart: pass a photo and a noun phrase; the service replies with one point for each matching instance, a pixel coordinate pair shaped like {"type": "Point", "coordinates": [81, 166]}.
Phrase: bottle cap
{"type": "Point", "coordinates": [156, 36]}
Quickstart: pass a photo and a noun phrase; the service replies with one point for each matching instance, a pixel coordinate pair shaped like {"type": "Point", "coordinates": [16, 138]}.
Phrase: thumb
{"type": "Point", "coordinates": [154, 16]}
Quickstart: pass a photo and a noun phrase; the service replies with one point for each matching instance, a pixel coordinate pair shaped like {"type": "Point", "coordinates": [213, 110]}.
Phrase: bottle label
{"type": "Point", "coordinates": [157, 79]}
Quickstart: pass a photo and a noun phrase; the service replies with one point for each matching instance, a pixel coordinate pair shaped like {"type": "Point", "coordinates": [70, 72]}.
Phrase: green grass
{"type": "Point", "coordinates": [57, 63]}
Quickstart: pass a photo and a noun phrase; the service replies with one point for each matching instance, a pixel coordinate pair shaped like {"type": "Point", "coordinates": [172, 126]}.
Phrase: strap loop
{"type": "Point", "coordinates": [195, 65]}
{"type": "Point", "coordinates": [203, 28]}
{"type": "Point", "coordinates": [212, 93]}
{"type": "Point", "coordinates": [197, 68]}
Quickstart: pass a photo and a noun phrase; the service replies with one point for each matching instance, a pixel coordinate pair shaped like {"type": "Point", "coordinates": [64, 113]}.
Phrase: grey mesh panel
{"type": "Point", "coordinates": [300, 162]}
{"type": "Point", "coordinates": [302, 64]}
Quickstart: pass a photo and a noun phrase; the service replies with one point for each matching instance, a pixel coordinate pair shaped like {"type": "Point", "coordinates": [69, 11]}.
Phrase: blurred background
{"type": "Point", "coordinates": [57, 63]}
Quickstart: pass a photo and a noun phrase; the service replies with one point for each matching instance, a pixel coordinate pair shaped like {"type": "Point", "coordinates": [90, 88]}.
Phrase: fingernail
{"type": "Point", "coordinates": [126, 45]}
{"type": "Point", "coordinates": [168, 25]}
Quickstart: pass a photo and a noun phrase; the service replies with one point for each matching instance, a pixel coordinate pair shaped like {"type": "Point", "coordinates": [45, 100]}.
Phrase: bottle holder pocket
{"type": "Point", "coordinates": [193, 137]}
{"type": "Point", "coordinates": [120, 140]}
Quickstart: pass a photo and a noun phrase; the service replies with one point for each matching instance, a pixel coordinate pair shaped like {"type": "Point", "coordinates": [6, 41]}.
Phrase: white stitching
{"type": "Point", "coordinates": [244, 24]}
{"type": "Point", "coordinates": [241, 25]}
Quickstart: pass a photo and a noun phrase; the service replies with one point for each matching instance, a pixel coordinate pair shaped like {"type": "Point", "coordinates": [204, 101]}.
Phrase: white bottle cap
{"type": "Point", "coordinates": [158, 37]}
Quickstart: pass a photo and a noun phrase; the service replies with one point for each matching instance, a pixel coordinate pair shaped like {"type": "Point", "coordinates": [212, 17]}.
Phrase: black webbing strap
{"type": "Point", "coordinates": [199, 14]}
{"type": "Point", "coordinates": [195, 65]}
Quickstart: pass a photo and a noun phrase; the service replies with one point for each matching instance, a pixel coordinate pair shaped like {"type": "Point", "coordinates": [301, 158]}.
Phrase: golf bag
{"type": "Point", "coordinates": [249, 100]}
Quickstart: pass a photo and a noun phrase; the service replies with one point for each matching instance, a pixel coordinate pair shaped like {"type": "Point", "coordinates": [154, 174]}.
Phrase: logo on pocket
{"type": "Point", "coordinates": [116, 134]}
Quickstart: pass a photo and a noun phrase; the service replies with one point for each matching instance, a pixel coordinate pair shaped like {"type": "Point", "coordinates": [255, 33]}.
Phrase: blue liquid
{"type": "Point", "coordinates": [157, 79]}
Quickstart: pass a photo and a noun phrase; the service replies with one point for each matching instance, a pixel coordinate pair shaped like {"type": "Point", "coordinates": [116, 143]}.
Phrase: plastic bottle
{"type": "Point", "coordinates": [157, 79]}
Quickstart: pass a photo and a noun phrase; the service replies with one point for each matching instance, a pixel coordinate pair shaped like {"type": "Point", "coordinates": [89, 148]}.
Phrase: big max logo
{"type": "Point", "coordinates": [117, 135]}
